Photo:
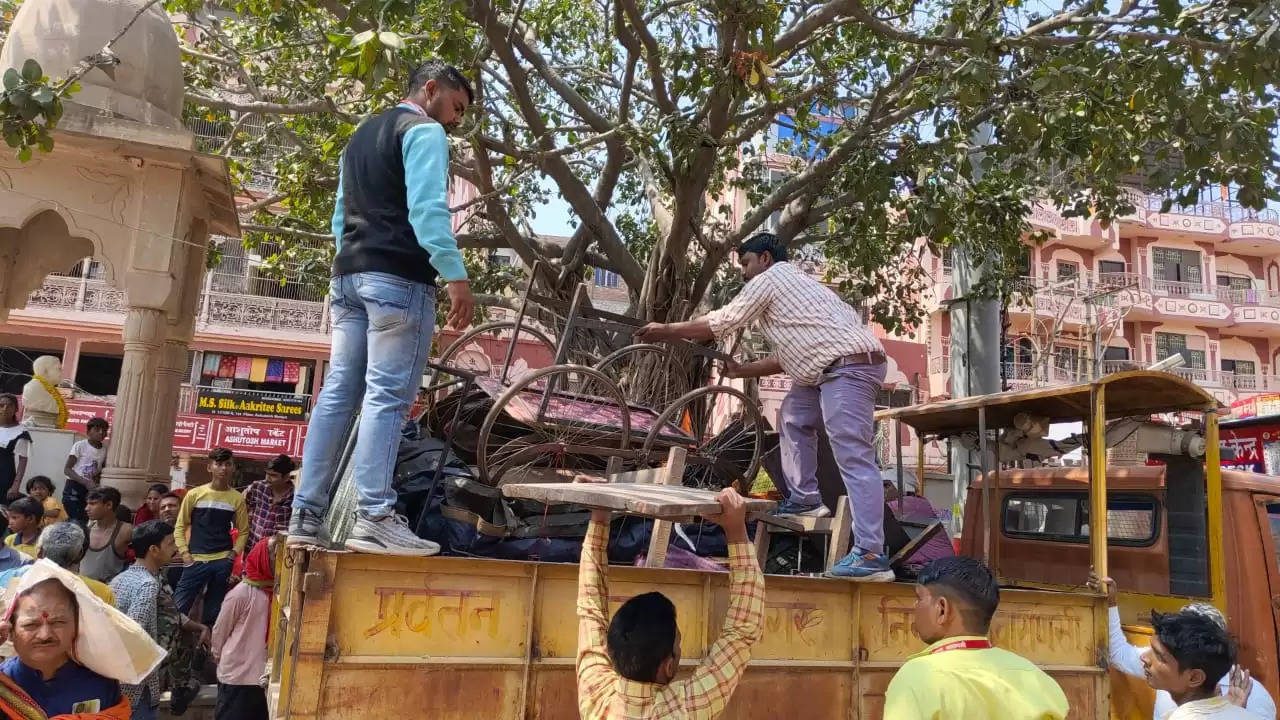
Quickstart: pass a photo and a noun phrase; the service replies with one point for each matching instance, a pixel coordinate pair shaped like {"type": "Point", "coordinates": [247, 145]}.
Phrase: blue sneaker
{"type": "Point", "coordinates": [786, 507]}
{"type": "Point", "coordinates": [863, 567]}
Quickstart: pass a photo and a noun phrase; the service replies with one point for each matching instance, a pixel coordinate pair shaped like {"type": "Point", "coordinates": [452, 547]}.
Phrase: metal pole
{"type": "Point", "coordinates": [1098, 480]}
{"type": "Point", "coordinates": [897, 444]}
{"type": "Point", "coordinates": [975, 353]}
{"type": "Point", "coordinates": [1213, 492]}
{"type": "Point", "coordinates": [562, 349]}
{"type": "Point", "coordinates": [986, 485]}
{"type": "Point", "coordinates": [515, 332]}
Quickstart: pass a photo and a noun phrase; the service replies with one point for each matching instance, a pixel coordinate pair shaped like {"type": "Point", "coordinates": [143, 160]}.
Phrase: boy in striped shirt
{"type": "Point", "coordinates": [203, 537]}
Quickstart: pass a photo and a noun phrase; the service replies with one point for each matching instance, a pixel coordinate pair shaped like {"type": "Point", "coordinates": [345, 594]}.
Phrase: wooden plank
{"type": "Point", "coordinates": [663, 502]}
{"type": "Point", "coordinates": [762, 543]}
{"type": "Point", "coordinates": [915, 544]}
{"type": "Point", "coordinates": [801, 524]}
{"type": "Point", "coordinates": [838, 543]}
{"type": "Point", "coordinates": [660, 536]}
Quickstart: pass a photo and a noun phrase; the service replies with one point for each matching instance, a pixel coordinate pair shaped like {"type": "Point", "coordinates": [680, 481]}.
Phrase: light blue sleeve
{"type": "Point", "coordinates": [338, 217]}
{"type": "Point", "coordinates": [426, 182]}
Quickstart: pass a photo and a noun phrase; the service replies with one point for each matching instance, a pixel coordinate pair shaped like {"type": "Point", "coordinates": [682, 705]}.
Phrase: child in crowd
{"type": "Point", "coordinates": [41, 488]}
{"type": "Point", "coordinates": [84, 468]}
{"type": "Point", "coordinates": [25, 515]}
{"type": "Point", "coordinates": [109, 538]}
{"type": "Point", "coordinates": [15, 448]}
{"type": "Point", "coordinates": [240, 640]}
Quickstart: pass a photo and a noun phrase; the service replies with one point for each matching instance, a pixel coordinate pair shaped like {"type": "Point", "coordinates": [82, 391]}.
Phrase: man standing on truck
{"type": "Point", "coordinates": [626, 667]}
{"type": "Point", "coordinates": [838, 367]}
{"type": "Point", "coordinates": [961, 675]}
{"type": "Point", "coordinates": [1189, 655]}
{"type": "Point", "coordinates": [1236, 685]}
{"type": "Point", "coordinates": [394, 234]}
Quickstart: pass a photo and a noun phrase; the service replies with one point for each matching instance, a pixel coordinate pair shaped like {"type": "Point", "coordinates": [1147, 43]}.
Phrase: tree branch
{"type": "Point", "coordinates": [311, 107]}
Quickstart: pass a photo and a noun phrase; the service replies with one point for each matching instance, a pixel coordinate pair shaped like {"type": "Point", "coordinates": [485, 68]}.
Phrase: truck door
{"type": "Point", "coordinates": [1269, 529]}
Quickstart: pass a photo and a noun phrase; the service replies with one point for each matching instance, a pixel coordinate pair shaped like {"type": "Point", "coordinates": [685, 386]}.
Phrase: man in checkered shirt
{"type": "Point", "coordinates": [838, 367]}
{"type": "Point", "coordinates": [626, 667]}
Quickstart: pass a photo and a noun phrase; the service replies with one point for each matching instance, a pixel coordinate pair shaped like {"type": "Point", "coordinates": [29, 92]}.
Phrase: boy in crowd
{"type": "Point", "coordinates": [41, 488]}
{"type": "Point", "coordinates": [25, 515]}
{"type": "Point", "coordinates": [961, 675]}
{"type": "Point", "coordinates": [1127, 658]}
{"type": "Point", "coordinates": [270, 500]}
{"type": "Point", "coordinates": [109, 538]}
{"type": "Point", "coordinates": [1189, 654]}
{"type": "Point", "coordinates": [240, 640]}
{"type": "Point", "coordinates": [210, 511]}
{"type": "Point", "coordinates": [84, 468]}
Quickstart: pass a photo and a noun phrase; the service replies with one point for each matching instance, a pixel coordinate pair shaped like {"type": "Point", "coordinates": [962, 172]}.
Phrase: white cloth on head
{"type": "Point", "coordinates": [108, 642]}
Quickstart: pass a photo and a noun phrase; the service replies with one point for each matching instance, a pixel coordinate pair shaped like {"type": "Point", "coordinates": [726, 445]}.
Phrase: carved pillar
{"type": "Point", "coordinates": [132, 435]}
{"type": "Point", "coordinates": [173, 368]}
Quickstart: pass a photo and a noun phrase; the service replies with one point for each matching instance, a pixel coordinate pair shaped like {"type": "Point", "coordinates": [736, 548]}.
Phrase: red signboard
{"type": "Point", "coordinates": [201, 433]}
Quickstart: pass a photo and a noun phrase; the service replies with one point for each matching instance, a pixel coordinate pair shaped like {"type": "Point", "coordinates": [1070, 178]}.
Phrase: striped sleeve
{"type": "Point", "coordinates": [747, 307]}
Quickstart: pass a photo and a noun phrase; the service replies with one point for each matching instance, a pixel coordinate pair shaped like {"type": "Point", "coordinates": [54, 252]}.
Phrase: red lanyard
{"type": "Point", "coordinates": [962, 645]}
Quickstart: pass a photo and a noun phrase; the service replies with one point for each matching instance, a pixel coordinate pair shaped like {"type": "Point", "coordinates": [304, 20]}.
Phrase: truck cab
{"type": "Point", "coordinates": [1156, 550]}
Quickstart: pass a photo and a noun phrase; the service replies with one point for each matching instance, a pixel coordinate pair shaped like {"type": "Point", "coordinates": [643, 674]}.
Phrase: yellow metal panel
{"type": "Point", "coordinates": [1049, 629]}
{"type": "Point", "coordinates": [1213, 482]}
{"type": "Point", "coordinates": [1098, 480]}
{"type": "Point", "coordinates": [887, 614]}
{"type": "Point", "coordinates": [463, 647]}
{"type": "Point", "coordinates": [459, 608]}
{"type": "Point", "coordinates": [557, 619]}
{"type": "Point", "coordinates": [803, 620]}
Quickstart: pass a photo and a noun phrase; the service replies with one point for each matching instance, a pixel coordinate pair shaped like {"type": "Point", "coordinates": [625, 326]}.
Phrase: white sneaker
{"type": "Point", "coordinates": [387, 535]}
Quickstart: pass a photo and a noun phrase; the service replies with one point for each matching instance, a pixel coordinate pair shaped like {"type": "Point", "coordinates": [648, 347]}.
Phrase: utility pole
{"type": "Point", "coordinates": [975, 343]}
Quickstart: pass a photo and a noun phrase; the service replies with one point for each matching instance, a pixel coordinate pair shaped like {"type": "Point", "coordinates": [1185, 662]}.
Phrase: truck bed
{"type": "Point", "coordinates": [362, 636]}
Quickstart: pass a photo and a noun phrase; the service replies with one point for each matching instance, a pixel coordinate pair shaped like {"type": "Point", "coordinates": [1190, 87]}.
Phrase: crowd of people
{"type": "Point", "coordinates": [193, 568]}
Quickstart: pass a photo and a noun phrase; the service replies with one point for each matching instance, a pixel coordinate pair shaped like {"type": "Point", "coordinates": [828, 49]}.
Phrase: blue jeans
{"type": "Point", "coordinates": [211, 577]}
{"type": "Point", "coordinates": [844, 403]}
{"type": "Point", "coordinates": [382, 328]}
{"type": "Point", "coordinates": [144, 710]}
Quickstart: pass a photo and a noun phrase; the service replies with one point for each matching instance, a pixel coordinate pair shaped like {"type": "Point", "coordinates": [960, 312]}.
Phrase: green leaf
{"type": "Point", "coordinates": [391, 40]}
{"type": "Point", "coordinates": [31, 71]}
{"type": "Point", "coordinates": [11, 79]}
{"type": "Point", "coordinates": [24, 154]}
{"type": "Point", "coordinates": [44, 96]}
{"type": "Point", "coordinates": [362, 38]}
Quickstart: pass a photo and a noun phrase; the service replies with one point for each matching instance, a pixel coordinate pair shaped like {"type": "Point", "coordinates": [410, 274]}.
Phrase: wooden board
{"type": "Point", "coordinates": [662, 502]}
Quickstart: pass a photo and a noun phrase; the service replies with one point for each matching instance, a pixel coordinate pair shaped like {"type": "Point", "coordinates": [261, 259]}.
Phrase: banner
{"type": "Point", "coordinates": [198, 434]}
{"type": "Point", "coordinates": [210, 401]}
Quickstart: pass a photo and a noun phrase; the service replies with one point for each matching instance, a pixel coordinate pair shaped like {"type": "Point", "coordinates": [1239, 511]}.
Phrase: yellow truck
{"type": "Point", "coordinates": [380, 637]}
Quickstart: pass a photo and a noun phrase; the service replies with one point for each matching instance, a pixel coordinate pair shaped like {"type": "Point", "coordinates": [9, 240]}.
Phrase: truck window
{"type": "Point", "coordinates": [1064, 517]}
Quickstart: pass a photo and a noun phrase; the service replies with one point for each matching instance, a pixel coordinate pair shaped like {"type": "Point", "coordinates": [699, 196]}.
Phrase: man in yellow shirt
{"type": "Point", "coordinates": [960, 675]}
{"type": "Point", "coordinates": [626, 667]}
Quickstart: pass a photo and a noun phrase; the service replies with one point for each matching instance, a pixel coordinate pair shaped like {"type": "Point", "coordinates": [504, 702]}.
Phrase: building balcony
{"type": "Point", "coordinates": [1240, 229]}
{"type": "Point", "coordinates": [226, 313]}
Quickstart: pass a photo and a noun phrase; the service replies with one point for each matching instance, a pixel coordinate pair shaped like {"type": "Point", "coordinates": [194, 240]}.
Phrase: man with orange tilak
{"type": "Point", "coordinates": [44, 680]}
